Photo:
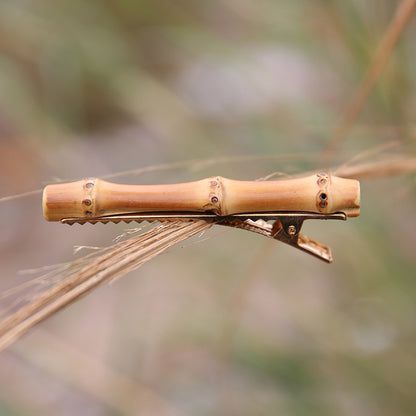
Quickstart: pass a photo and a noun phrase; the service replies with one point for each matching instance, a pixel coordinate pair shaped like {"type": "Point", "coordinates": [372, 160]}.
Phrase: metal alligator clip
{"type": "Point", "coordinates": [286, 226]}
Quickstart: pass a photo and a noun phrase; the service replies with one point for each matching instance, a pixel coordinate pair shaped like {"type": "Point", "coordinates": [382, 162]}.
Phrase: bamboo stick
{"type": "Point", "coordinates": [94, 197]}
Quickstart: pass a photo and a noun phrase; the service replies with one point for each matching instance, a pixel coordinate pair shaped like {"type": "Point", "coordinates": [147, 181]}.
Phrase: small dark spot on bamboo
{"type": "Point", "coordinates": [88, 213]}
{"type": "Point", "coordinates": [322, 181]}
{"type": "Point", "coordinates": [87, 202]}
{"type": "Point", "coordinates": [323, 196]}
{"type": "Point", "coordinates": [214, 199]}
{"type": "Point", "coordinates": [323, 204]}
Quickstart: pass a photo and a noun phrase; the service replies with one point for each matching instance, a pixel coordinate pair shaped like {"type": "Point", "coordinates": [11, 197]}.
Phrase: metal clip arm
{"type": "Point", "coordinates": [289, 233]}
{"type": "Point", "coordinates": [286, 227]}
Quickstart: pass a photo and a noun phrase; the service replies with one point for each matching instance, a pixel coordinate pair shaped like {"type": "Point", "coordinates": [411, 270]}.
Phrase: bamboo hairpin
{"type": "Point", "coordinates": [249, 205]}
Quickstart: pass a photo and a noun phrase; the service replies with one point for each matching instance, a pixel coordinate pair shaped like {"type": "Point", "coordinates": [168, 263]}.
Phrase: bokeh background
{"type": "Point", "coordinates": [228, 323]}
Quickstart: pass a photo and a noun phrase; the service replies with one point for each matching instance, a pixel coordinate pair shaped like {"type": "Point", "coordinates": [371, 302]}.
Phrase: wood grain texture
{"type": "Point", "coordinates": [93, 197]}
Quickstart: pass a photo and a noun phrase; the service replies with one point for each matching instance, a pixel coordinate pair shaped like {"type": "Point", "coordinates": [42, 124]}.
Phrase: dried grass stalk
{"type": "Point", "coordinates": [393, 165]}
{"type": "Point", "coordinates": [398, 24]}
{"type": "Point", "coordinates": [82, 276]}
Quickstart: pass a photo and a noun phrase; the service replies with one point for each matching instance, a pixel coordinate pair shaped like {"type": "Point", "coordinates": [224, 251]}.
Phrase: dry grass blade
{"type": "Point", "coordinates": [396, 165]}
{"type": "Point", "coordinates": [21, 195]}
{"type": "Point", "coordinates": [387, 159]}
{"type": "Point", "coordinates": [84, 275]}
{"type": "Point", "coordinates": [399, 22]}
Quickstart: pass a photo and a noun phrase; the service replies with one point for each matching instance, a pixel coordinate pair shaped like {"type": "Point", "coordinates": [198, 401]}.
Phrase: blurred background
{"type": "Point", "coordinates": [230, 323]}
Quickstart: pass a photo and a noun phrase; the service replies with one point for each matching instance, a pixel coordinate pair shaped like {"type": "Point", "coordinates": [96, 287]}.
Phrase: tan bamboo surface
{"type": "Point", "coordinates": [94, 197]}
